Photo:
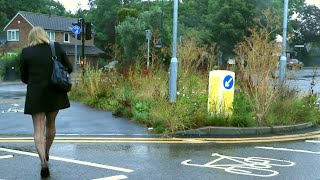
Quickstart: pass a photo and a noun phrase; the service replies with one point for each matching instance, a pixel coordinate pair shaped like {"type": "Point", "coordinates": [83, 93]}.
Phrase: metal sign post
{"type": "Point", "coordinates": [76, 30]}
{"type": "Point", "coordinates": [75, 53]}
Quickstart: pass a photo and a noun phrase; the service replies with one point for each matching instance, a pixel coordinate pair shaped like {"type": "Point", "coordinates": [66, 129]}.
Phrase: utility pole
{"type": "Point", "coordinates": [174, 60]}
{"type": "Point", "coordinates": [161, 25]}
{"type": "Point", "coordinates": [161, 33]}
{"type": "Point", "coordinates": [283, 59]}
{"type": "Point", "coordinates": [83, 37]}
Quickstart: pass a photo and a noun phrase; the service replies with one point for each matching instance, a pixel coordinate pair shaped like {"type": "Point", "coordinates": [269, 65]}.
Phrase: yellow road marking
{"type": "Point", "coordinates": [311, 135]}
{"type": "Point", "coordinates": [270, 140]}
{"type": "Point", "coordinates": [11, 101]}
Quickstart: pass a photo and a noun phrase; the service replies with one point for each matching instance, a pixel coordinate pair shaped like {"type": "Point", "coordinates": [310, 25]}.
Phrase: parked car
{"type": "Point", "coordinates": [294, 63]}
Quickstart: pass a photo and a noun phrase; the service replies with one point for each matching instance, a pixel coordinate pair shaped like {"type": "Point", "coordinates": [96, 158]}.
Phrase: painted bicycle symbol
{"type": "Point", "coordinates": [251, 166]}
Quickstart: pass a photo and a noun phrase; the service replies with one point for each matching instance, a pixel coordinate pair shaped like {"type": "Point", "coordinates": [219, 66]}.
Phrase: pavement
{"type": "Point", "coordinates": [81, 120]}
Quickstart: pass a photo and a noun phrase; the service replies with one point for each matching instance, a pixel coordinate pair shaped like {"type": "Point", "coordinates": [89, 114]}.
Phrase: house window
{"type": "Point", "coordinates": [66, 37]}
{"type": "Point", "coordinates": [51, 35]}
{"type": "Point", "coordinates": [13, 35]}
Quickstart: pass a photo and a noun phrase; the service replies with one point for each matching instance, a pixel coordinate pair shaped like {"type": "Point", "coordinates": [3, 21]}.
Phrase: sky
{"type": "Point", "coordinates": [315, 2]}
{"type": "Point", "coordinates": [72, 5]}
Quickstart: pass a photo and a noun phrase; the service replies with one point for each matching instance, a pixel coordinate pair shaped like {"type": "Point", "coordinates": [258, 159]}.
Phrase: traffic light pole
{"type": "Point", "coordinates": [83, 37]}
{"type": "Point", "coordinates": [82, 31]}
{"type": "Point", "coordinates": [75, 53]}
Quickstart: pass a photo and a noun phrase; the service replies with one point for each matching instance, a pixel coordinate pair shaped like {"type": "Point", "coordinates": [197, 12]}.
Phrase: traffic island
{"type": "Point", "coordinates": [238, 131]}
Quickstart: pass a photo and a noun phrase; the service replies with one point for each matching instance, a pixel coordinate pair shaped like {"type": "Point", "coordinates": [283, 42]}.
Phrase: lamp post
{"type": "Point", "coordinates": [148, 36]}
{"type": "Point", "coordinates": [161, 25]}
{"type": "Point", "coordinates": [174, 60]}
{"type": "Point", "coordinates": [283, 59]}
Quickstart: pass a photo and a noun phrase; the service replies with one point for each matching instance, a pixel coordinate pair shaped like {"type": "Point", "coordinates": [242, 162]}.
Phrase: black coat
{"type": "Point", "coordinates": [36, 69]}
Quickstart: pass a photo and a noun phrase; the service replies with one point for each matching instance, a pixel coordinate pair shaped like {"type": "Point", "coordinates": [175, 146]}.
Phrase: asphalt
{"type": "Point", "coordinates": [81, 120]}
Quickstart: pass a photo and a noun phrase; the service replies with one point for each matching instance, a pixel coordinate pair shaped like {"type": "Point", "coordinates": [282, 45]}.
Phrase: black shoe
{"type": "Point", "coordinates": [45, 172]}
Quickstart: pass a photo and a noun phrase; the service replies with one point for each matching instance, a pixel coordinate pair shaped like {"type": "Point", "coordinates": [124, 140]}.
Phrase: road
{"type": "Point", "coordinates": [78, 119]}
{"type": "Point", "coordinates": [301, 79]}
{"type": "Point", "coordinates": [167, 160]}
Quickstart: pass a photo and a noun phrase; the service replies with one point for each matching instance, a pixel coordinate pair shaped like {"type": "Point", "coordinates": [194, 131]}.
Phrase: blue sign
{"type": "Point", "coordinates": [228, 82]}
{"type": "Point", "coordinates": [76, 30]}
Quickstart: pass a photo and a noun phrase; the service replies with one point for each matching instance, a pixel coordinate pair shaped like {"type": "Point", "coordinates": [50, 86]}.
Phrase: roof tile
{"type": "Point", "coordinates": [49, 22]}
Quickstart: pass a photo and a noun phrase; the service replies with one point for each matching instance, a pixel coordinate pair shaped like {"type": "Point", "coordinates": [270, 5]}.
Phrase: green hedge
{"type": "Point", "coordinates": [6, 64]}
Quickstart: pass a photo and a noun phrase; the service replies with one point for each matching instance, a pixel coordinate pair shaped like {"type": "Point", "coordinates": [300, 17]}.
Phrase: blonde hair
{"type": "Point", "coordinates": [38, 36]}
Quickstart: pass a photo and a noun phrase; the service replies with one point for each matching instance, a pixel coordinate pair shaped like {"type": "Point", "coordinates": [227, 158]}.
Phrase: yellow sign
{"type": "Point", "coordinates": [221, 92]}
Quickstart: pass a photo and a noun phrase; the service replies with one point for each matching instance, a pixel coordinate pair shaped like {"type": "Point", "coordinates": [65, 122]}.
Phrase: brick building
{"type": "Point", "coordinates": [59, 30]}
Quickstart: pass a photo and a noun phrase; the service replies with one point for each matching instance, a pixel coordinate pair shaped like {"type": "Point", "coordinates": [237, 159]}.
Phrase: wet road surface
{"type": "Point", "coordinates": [78, 119]}
{"type": "Point", "coordinates": [144, 161]}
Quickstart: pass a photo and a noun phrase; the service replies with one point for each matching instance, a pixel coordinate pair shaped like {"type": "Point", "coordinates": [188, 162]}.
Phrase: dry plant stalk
{"type": "Point", "coordinates": [192, 56]}
{"type": "Point", "coordinates": [261, 56]}
{"type": "Point", "coordinates": [91, 81]}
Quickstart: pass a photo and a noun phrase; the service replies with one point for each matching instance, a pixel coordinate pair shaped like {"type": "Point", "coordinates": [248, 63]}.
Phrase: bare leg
{"type": "Point", "coordinates": [39, 138]}
{"type": "Point", "coordinates": [50, 130]}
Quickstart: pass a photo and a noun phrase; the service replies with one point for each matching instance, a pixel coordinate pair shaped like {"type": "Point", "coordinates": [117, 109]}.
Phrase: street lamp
{"type": "Point", "coordinates": [283, 59]}
{"type": "Point", "coordinates": [174, 60]}
{"type": "Point", "coordinates": [148, 36]}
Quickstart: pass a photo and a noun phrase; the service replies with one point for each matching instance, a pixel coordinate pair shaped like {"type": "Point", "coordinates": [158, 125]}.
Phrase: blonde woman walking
{"type": "Point", "coordinates": [43, 101]}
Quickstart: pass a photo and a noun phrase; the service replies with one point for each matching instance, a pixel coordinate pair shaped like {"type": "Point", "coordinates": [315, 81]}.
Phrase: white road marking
{"type": "Point", "coordinates": [13, 110]}
{"type": "Point", "coordinates": [70, 160]}
{"type": "Point", "coordinates": [6, 156]}
{"type": "Point", "coordinates": [312, 141]}
{"type": "Point", "coordinates": [286, 149]}
{"type": "Point", "coordinates": [119, 177]}
{"type": "Point", "coordinates": [250, 166]}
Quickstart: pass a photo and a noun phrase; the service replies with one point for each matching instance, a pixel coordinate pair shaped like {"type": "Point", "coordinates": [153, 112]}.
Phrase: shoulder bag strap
{"type": "Point", "coordinates": [53, 50]}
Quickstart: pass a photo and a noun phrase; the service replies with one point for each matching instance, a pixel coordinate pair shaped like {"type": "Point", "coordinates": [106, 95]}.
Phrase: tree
{"type": "Point", "coordinates": [53, 7]}
{"type": "Point", "coordinates": [229, 22]}
{"type": "Point", "coordinates": [306, 26]}
{"type": "Point", "coordinates": [124, 13]}
{"type": "Point", "coordinates": [131, 32]}
{"type": "Point", "coordinates": [192, 12]}
{"type": "Point", "coordinates": [103, 18]}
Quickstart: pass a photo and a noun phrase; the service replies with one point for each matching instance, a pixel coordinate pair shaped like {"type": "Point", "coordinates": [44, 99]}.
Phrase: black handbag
{"type": "Point", "coordinates": [60, 77]}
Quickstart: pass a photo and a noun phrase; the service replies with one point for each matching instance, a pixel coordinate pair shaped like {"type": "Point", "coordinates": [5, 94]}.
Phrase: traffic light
{"type": "Point", "coordinates": [88, 30]}
{"type": "Point", "coordinates": [81, 23]}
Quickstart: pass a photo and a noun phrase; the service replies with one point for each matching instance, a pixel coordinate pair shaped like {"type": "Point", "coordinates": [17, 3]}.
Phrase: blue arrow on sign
{"type": "Point", "coordinates": [76, 30]}
{"type": "Point", "coordinates": [228, 82]}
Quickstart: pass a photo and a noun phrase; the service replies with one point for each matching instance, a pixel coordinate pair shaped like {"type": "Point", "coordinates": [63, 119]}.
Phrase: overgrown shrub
{"type": "Point", "coordinates": [257, 60]}
{"type": "Point", "coordinates": [142, 94]}
{"type": "Point", "coordinates": [7, 63]}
